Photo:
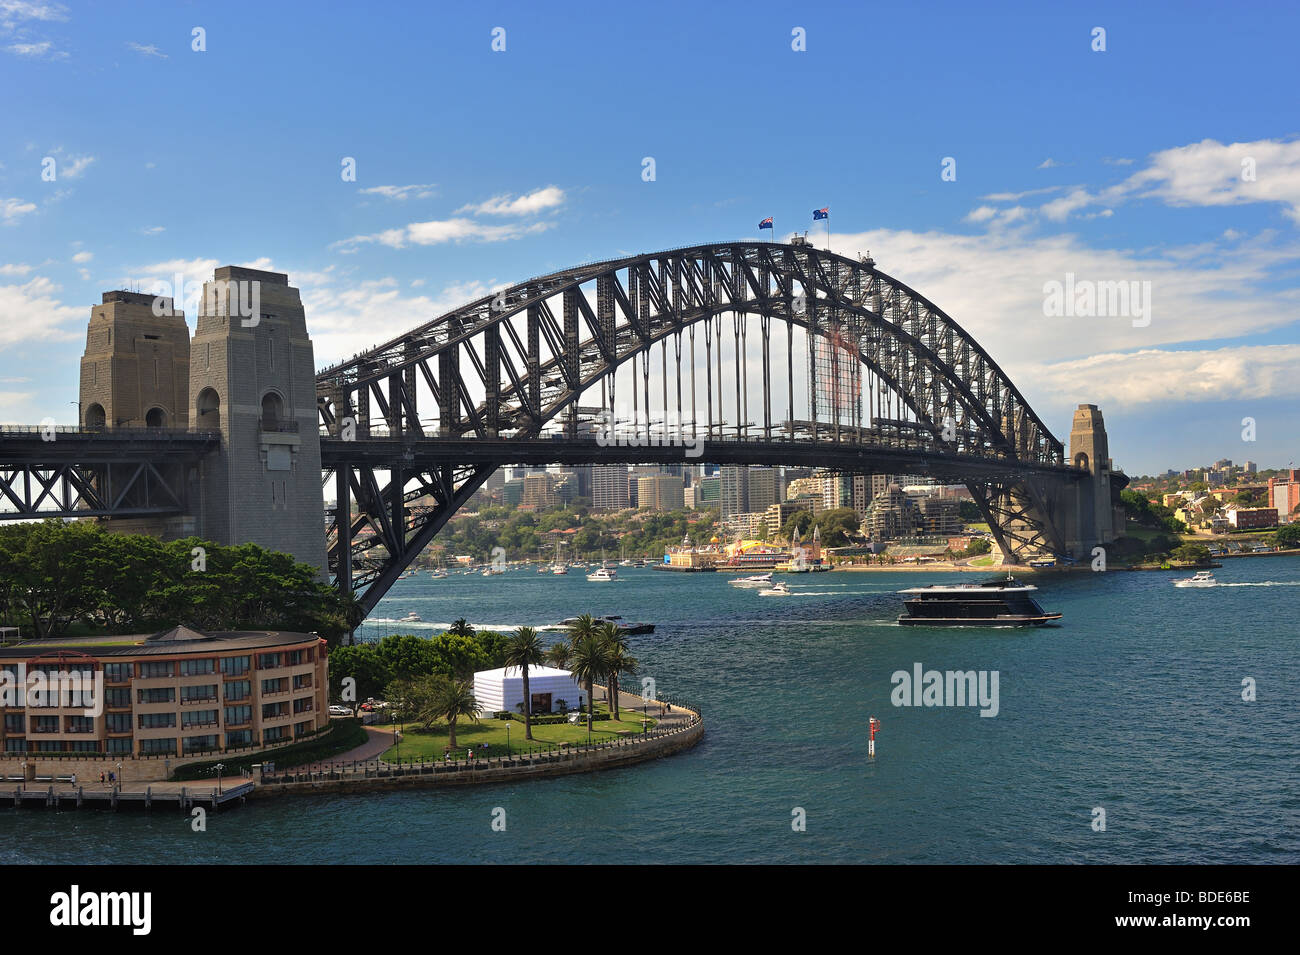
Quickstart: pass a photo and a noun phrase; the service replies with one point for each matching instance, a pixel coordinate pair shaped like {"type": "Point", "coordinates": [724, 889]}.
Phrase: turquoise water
{"type": "Point", "coordinates": [1133, 705]}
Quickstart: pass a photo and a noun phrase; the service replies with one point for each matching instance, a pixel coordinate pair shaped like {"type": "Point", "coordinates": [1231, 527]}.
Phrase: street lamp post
{"type": "Point", "coordinates": [220, 767]}
{"type": "Point", "coordinates": [508, 722]}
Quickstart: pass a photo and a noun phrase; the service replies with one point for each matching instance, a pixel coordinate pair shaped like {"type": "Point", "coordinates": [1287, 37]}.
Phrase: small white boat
{"type": "Point", "coordinates": [779, 589]}
{"type": "Point", "coordinates": [602, 574]}
{"type": "Point", "coordinates": [758, 580]}
{"type": "Point", "coordinates": [437, 574]}
{"type": "Point", "coordinates": [1202, 578]}
{"type": "Point", "coordinates": [412, 617]}
{"type": "Point", "coordinates": [559, 570]}
{"type": "Point", "coordinates": [493, 572]}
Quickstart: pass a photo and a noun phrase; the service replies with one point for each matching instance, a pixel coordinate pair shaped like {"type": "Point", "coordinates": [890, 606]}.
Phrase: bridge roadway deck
{"type": "Point", "coordinates": [418, 453]}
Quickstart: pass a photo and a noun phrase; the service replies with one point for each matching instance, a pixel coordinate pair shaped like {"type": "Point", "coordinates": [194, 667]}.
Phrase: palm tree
{"type": "Point", "coordinates": [559, 654]}
{"type": "Point", "coordinates": [456, 700]}
{"type": "Point", "coordinates": [590, 663]}
{"type": "Point", "coordinates": [620, 662]}
{"type": "Point", "coordinates": [524, 650]}
{"type": "Point", "coordinates": [461, 629]}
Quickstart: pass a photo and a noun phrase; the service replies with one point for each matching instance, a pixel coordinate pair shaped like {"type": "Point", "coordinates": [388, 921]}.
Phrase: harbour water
{"type": "Point", "coordinates": [1133, 705]}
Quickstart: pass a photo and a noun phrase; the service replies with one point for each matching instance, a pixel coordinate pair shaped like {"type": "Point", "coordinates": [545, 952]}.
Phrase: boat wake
{"type": "Point", "coordinates": [1260, 583]}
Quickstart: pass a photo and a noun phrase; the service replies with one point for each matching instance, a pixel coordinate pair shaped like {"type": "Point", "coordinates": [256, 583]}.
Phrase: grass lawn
{"type": "Point", "coordinates": [984, 561]}
{"type": "Point", "coordinates": [418, 743]}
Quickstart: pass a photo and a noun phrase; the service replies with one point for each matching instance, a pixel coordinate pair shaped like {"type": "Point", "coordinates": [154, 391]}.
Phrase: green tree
{"type": "Point", "coordinates": [620, 662]}
{"type": "Point", "coordinates": [590, 663]}
{"type": "Point", "coordinates": [454, 700]}
{"type": "Point", "coordinates": [362, 664]}
{"type": "Point", "coordinates": [1288, 536]}
{"type": "Point", "coordinates": [461, 629]}
{"type": "Point", "coordinates": [523, 651]}
{"type": "Point", "coordinates": [457, 656]}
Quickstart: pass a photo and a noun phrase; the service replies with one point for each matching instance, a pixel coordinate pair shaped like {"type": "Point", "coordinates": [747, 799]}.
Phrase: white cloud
{"type": "Point", "coordinates": [11, 210]}
{"type": "Point", "coordinates": [992, 284]}
{"type": "Point", "coordinates": [74, 166]}
{"type": "Point", "coordinates": [1058, 210]}
{"type": "Point", "coordinates": [1118, 162]}
{"type": "Point", "coordinates": [149, 50]}
{"type": "Point", "coordinates": [402, 193]}
{"type": "Point", "coordinates": [550, 197]}
{"type": "Point", "coordinates": [14, 270]}
{"type": "Point", "coordinates": [15, 11]}
{"type": "Point", "coordinates": [154, 229]}
{"type": "Point", "coordinates": [438, 231]}
{"type": "Point", "coordinates": [1210, 173]}
{"type": "Point", "coordinates": [1152, 376]}
{"type": "Point", "coordinates": [32, 311]}
{"type": "Point", "coordinates": [1049, 163]}
{"type": "Point", "coordinates": [83, 257]}
{"type": "Point", "coordinates": [346, 319]}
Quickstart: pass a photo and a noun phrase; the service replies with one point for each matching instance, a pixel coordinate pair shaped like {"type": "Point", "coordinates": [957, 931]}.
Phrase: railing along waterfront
{"type": "Point", "coordinates": [330, 771]}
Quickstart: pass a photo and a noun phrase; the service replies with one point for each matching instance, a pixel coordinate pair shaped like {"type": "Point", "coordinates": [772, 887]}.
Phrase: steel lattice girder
{"type": "Point", "coordinates": [936, 368]}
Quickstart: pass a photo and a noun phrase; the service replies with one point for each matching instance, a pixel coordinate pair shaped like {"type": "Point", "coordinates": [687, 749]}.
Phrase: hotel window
{"type": "Point", "coordinates": [234, 666]}
{"type": "Point", "coordinates": [271, 710]}
{"type": "Point", "coordinates": [302, 681]}
{"type": "Point", "coordinates": [118, 722]}
{"type": "Point", "coordinates": [117, 698]}
{"type": "Point", "coordinates": [49, 746]}
{"type": "Point", "coordinates": [302, 729]}
{"type": "Point", "coordinates": [150, 671]}
{"type": "Point", "coordinates": [157, 694]}
{"type": "Point", "coordinates": [239, 738]}
{"type": "Point", "coordinates": [199, 718]}
{"type": "Point", "coordinates": [80, 724]}
{"type": "Point", "coordinates": [293, 658]}
{"type": "Point", "coordinates": [120, 745]}
{"type": "Point", "coordinates": [268, 661]}
{"type": "Point", "coordinates": [278, 685]}
{"type": "Point", "coordinates": [275, 734]}
{"type": "Point", "coordinates": [196, 667]}
{"type": "Point", "coordinates": [84, 698]}
{"type": "Point", "coordinates": [157, 721]}
{"type": "Point", "coordinates": [302, 706]}
{"type": "Point", "coordinates": [238, 715]}
{"type": "Point", "coordinates": [15, 723]}
{"type": "Point", "coordinates": [157, 747]}
{"type": "Point", "coordinates": [45, 724]}
{"type": "Point", "coordinates": [83, 746]}
{"type": "Point", "coordinates": [199, 744]}
{"type": "Point", "coordinates": [117, 672]}
{"type": "Point", "coordinates": [13, 745]}
{"type": "Point", "coordinates": [205, 691]}
{"type": "Point", "coordinates": [239, 690]}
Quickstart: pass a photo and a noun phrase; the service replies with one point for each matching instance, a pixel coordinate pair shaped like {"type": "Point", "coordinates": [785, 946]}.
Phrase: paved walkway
{"type": "Point", "coordinates": [380, 740]}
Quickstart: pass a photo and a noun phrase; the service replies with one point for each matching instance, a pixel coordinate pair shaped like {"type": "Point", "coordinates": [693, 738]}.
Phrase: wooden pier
{"type": "Point", "coordinates": [169, 795]}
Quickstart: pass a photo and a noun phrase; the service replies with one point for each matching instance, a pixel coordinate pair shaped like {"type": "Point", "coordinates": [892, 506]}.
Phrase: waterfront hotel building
{"type": "Point", "coordinates": [178, 694]}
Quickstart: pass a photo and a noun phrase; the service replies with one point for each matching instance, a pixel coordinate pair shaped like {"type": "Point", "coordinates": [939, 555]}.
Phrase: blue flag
{"type": "Point", "coordinates": [821, 213]}
{"type": "Point", "coordinates": [766, 223]}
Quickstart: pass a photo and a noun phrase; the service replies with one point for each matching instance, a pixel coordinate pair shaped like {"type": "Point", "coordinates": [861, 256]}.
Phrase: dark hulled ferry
{"type": "Point", "coordinates": [998, 602]}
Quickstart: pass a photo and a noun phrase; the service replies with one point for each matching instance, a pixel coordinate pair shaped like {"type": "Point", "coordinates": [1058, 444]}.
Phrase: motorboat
{"type": "Point", "coordinates": [624, 626]}
{"type": "Point", "coordinates": [1202, 578]}
{"type": "Point", "coordinates": [559, 570]}
{"type": "Point", "coordinates": [437, 573]}
{"type": "Point", "coordinates": [412, 617]}
{"type": "Point", "coordinates": [758, 580]}
{"type": "Point", "coordinates": [997, 602]}
{"type": "Point", "coordinates": [778, 589]}
{"type": "Point", "coordinates": [602, 574]}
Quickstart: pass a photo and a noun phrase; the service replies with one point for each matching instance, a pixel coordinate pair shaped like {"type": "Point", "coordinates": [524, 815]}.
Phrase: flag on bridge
{"type": "Point", "coordinates": [766, 223]}
{"type": "Point", "coordinates": [821, 213]}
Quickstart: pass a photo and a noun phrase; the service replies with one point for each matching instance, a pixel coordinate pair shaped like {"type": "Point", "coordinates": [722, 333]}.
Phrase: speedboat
{"type": "Point", "coordinates": [1202, 578]}
{"type": "Point", "coordinates": [778, 589]}
{"type": "Point", "coordinates": [412, 617]}
{"type": "Point", "coordinates": [602, 574]}
{"type": "Point", "coordinates": [758, 580]}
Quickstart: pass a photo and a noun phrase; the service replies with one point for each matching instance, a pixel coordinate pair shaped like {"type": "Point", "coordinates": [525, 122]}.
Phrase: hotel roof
{"type": "Point", "coordinates": [178, 640]}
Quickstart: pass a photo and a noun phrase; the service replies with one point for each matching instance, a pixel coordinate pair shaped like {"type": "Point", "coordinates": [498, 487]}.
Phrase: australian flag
{"type": "Point", "coordinates": [821, 213]}
{"type": "Point", "coordinates": [766, 223]}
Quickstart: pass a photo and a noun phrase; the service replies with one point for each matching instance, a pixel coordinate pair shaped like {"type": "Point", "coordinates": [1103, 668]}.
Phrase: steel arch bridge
{"type": "Point", "coordinates": [889, 383]}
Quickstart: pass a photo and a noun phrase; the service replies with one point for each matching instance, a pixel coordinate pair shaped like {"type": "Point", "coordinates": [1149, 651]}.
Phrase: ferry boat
{"type": "Point", "coordinates": [778, 589]}
{"type": "Point", "coordinates": [1202, 578]}
{"type": "Point", "coordinates": [602, 574]}
{"type": "Point", "coordinates": [758, 580]}
{"type": "Point", "coordinates": [999, 602]}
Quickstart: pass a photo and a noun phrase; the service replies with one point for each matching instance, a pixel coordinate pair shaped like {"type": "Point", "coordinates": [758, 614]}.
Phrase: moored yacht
{"type": "Point", "coordinates": [999, 602]}
{"type": "Point", "coordinates": [602, 574]}
{"type": "Point", "coordinates": [758, 580]}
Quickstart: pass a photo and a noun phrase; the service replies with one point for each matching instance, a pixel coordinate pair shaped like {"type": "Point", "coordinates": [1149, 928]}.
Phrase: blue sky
{"type": "Point", "coordinates": [476, 168]}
